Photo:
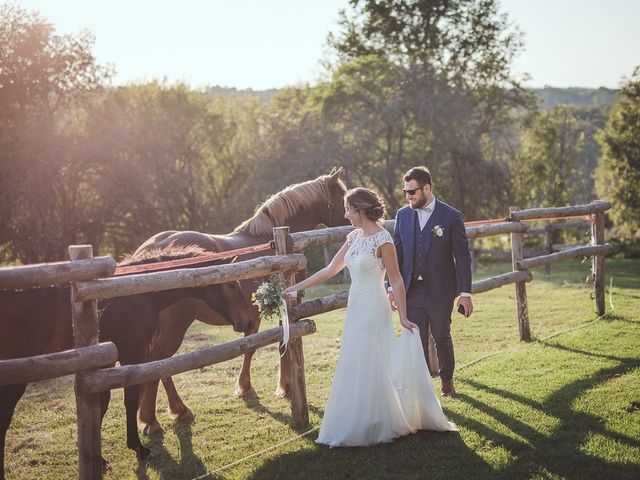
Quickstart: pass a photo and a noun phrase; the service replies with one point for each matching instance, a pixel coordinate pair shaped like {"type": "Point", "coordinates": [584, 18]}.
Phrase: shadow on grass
{"type": "Point", "coordinates": [560, 453]}
{"type": "Point", "coordinates": [164, 465]}
{"type": "Point", "coordinates": [424, 454]}
{"type": "Point", "coordinates": [446, 455]}
{"type": "Point", "coordinates": [256, 405]}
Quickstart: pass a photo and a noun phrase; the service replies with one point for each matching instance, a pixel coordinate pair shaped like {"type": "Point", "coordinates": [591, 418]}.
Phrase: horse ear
{"type": "Point", "coordinates": [335, 174]}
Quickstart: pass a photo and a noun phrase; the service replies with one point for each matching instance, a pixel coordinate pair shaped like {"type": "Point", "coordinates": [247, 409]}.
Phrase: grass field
{"type": "Point", "coordinates": [564, 406]}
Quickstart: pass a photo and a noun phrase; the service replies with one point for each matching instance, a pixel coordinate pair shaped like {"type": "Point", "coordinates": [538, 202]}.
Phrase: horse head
{"type": "Point", "coordinates": [230, 301]}
{"type": "Point", "coordinates": [221, 303]}
{"type": "Point", "coordinates": [333, 216]}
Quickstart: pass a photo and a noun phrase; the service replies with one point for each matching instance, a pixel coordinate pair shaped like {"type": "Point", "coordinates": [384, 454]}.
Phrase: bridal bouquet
{"type": "Point", "coordinates": [269, 297]}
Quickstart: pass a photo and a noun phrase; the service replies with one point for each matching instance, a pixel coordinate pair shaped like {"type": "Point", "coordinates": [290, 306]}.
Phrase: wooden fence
{"type": "Point", "coordinates": [91, 280]}
{"type": "Point", "coordinates": [550, 239]}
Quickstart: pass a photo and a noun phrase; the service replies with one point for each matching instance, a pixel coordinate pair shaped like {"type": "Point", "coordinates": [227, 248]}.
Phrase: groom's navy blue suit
{"type": "Point", "coordinates": [435, 269]}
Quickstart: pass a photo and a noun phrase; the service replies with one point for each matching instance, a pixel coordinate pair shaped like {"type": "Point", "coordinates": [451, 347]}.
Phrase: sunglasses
{"type": "Point", "coordinates": [414, 190]}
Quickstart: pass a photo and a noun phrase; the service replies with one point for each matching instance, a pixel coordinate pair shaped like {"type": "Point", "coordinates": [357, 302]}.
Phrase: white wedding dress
{"type": "Point", "coordinates": [381, 389]}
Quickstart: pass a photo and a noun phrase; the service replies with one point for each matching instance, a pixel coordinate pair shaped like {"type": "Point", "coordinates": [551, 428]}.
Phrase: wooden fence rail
{"type": "Point", "coordinates": [585, 251]}
{"type": "Point", "coordinates": [47, 274]}
{"type": "Point", "coordinates": [127, 375]}
{"type": "Point", "coordinates": [187, 278]}
{"type": "Point", "coordinates": [327, 236]}
{"type": "Point", "coordinates": [59, 364]}
{"type": "Point", "coordinates": [557, 212]}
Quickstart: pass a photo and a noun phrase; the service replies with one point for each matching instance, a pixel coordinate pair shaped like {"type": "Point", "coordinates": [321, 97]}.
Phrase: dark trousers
{"type": "Point", "coordinates": [436, 315]}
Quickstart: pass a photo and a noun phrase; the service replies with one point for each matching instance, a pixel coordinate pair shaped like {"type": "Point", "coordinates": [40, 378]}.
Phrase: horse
{"type": "Point", "coordinates": [38, 321]}
{"type": "Point", "coordinates": [302, 207]}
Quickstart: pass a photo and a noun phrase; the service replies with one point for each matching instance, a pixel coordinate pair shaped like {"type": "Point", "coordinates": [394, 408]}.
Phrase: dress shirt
{"type": "Point", "coordinates": [424, 214]}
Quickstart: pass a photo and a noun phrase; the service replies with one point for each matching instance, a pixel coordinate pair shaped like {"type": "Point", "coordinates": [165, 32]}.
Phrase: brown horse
{"type": "Point", "coordinates": [38, 321]}
{"type": "Point", "coordinates": [302, 207]}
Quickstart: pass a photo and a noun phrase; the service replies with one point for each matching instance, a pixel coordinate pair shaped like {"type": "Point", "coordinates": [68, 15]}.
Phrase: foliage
{"type": "Point", "coordinates": [553, 141]}
{"type": "Point", "coordinates": [413, 83]}
{"type": "Point", "coordinates": [269, 296]}
{"type": "Point", "coordinates": [618, 175]}
{"type": "Point", "coordinates": [179, 145]}
{"type": "Point", "coordinates": [43, 76]}
{"type": "Point", "coordinates": [426, 83]}
{"type": "Point", "coordinates": [468, 43]}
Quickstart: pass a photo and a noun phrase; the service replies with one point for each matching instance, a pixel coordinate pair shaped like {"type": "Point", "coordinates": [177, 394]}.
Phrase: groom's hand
{"type": "Point", "coordinates": [467, 304]}
{"type": "Point", "coordinates": [392, 301]}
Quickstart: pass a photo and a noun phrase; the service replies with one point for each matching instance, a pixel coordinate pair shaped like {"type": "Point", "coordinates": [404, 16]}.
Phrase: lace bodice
{"type": "Point", "coordinates": [367, 270]}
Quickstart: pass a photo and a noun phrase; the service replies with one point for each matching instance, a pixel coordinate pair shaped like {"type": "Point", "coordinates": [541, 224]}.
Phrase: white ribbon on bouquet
{"type": "Point", "coordinates": [284, 314]}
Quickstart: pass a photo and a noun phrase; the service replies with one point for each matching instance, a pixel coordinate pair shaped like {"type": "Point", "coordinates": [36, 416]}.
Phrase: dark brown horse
{"type": "Point", "coordinates": [302, 207]}
{"type": "Point", "coordinates": [38, 321]}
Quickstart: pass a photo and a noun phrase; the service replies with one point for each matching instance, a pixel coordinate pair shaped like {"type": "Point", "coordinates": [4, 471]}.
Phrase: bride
{"type": "Point", "coordinates": [381, 389]}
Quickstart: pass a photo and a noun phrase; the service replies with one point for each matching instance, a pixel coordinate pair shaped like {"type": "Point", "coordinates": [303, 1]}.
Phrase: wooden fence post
{"type": "Point", "coordinates": [521, 289]}
{"type": "Point", "coordinates": [597, 238]}
{"type": "Point", "coordinates": [294, 355]}
{"type": "Point", "coordinates": [85, 332]}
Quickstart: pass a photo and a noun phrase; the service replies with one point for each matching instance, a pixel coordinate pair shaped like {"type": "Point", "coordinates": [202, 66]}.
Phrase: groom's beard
{"type": "Point", "coordinates": [418, 203]}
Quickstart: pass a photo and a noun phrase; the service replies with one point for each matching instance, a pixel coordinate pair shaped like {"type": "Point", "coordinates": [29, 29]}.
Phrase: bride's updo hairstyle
{"type": "Point", "coordinates": [366, 201]}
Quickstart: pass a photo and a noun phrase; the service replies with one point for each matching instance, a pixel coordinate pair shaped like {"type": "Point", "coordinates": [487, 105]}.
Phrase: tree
{"type": "Point", "coordinates": [420, 82]}
{"type": "Point", "coordinates": [552, 142]}
{"type": "Point", "coordinates": [42, 75]}
{"type": "Point", "coordinates": [467, 42]}
{"type": "Point", "coordinates": [618, 174]}
{"type": "Point", "coordinates": [165, 158]}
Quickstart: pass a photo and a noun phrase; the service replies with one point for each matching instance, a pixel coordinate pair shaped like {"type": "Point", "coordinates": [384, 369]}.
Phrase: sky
{"type": "Point", "coordinates": [262, 44]}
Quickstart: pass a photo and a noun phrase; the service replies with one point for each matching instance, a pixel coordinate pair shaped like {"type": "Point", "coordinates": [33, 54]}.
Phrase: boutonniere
{"type": "Point", "coordinates": [437, 231]}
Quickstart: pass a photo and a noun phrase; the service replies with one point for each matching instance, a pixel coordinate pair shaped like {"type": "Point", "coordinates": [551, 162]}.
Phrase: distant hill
{"type": "Point", "coordinates": [549, 96]}
{"type": "Point", "coordinates": [587, 97]}
{"type": "Point", "coordinates": [264, 95]}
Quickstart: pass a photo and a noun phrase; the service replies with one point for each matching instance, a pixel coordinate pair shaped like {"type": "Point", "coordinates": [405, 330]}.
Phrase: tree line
{"type": "Point", "coordinates": [411, 83]}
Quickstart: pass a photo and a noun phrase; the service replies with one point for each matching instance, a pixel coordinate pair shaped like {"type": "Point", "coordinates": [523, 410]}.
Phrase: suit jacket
{"type": "Point", "coordinates": [447, 256]}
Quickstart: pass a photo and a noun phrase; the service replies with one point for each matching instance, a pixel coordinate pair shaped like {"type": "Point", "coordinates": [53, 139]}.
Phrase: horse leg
{"type": "Point", "coordinates": [284, 380]}
{"type": "Point", "coordinates": [131, 405]}
{"type": "Point", "coordinates": [244, 389]}
{"type": "Point", "coordinates": [177, 409]}
{"type": "Point", "coordinates": [105, 398]}
{"type": "Point", "coordinates": [9, 397]}
{"type": "Point", "coordinates": [167, 340]}
{"type": "Point", "coordinates": [147, 422]}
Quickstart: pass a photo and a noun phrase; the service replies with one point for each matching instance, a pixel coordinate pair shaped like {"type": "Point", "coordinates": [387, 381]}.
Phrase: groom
{"type": "Point", "coordinates": [434, 259]}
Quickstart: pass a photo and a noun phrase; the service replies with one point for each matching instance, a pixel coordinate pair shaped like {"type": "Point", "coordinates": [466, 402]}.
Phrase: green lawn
{"type": "Point", "coordinates": [564, 406]}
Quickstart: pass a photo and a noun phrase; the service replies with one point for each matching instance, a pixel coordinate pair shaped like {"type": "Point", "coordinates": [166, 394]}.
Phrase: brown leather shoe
{"type": "Point", "coordinates": [448, 390]}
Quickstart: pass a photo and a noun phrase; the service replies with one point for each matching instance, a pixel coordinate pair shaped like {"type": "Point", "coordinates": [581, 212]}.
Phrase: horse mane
{"type": "Point", "coordinates": [278, 208]}
{"type": "Point", "coordinates": [170, 252]}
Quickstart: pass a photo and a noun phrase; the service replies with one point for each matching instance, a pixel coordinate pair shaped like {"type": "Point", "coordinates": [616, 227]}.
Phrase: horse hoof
{"type": "Point", "coordinates": [143, 453]}
{"type": "Point", "coordinates": [185, 415]}
{"type": "Point", "coordinates": [281, 393]}
{"type": "Point", "coordinates": [150, 429]}
{"type": "Point", "coordinates": [245, 392]}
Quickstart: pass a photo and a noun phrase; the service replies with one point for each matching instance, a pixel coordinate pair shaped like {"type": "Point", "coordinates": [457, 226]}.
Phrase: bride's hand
{"type": "Point", "coordinates": [290, 292]}
{"type": "Point", "coordinates": [409, 325]}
